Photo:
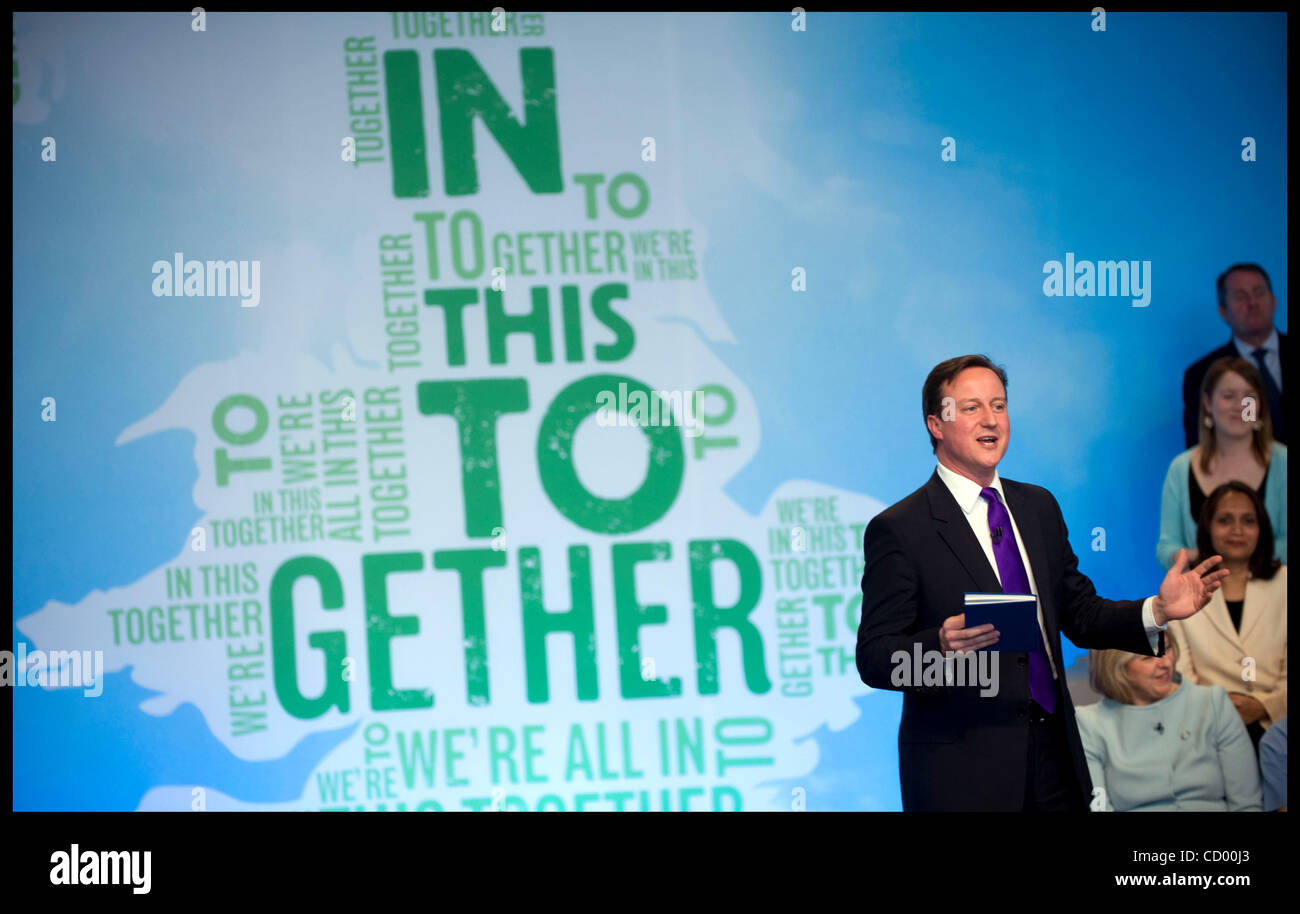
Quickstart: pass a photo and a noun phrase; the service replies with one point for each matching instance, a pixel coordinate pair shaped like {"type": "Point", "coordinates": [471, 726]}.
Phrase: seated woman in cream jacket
{"type": "Point", "coordinates": [1238, 640]}
{"type": "Point", "coordinates": [1236, 443]}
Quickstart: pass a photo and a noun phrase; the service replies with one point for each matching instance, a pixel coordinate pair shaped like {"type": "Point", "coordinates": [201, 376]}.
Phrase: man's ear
{"type": "Point", "coordinates": [933, 423]}
{"type": "Point", "coordinates": [1223, 315]}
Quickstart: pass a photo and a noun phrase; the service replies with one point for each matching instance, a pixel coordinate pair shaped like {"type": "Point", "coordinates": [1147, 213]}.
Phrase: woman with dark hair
{"type": "Point", "coordinates": [1238, 641]}
{"type": "Point", "coordinates": [1236, 443]}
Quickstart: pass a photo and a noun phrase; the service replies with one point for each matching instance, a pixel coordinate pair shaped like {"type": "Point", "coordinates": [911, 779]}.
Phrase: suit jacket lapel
{"type": "Point", "coordinates": [955, 530]}
{"type": "Point", "coordinates": [1217, 612]}
{"type": "Point", "coordinates": [1031, 535]}
{"type": "Point", "coordinates": [1253, 609]}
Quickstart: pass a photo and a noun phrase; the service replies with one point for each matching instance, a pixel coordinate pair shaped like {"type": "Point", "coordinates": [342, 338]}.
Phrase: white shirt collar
{"type": "Point", "coordinates": [1246, 350]}
{"type": "Point", "coordinates": [967, 491]}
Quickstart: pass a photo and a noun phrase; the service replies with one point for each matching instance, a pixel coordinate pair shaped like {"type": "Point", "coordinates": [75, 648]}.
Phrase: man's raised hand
{"type": "Point", "coordinates": [1183, 593]}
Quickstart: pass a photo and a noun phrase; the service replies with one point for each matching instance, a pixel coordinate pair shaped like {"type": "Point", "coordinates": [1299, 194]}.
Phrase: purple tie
{"type": "Point", "coordinates": [1014, 580]}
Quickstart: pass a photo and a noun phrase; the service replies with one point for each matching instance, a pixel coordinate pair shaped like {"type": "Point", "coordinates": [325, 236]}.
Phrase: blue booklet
{"type": "Point", "coordinates": [1013, 615]}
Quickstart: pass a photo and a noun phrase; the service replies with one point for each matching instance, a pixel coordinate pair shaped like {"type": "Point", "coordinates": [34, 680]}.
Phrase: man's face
{"type": "Point", "coordinates": [973, 427]}
{"type": "Point", "coordinates": [1248, 305]}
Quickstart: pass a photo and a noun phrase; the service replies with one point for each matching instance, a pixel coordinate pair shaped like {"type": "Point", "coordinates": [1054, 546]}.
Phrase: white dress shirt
{"type": "Point", "coordinates": [1272, 358]}
{"type": "Point", "coordinates": [972, 503]}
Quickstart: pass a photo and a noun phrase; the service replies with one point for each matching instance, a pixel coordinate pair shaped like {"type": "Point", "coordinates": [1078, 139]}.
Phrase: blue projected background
{"type": "Point", "coordinates": [819, 216]}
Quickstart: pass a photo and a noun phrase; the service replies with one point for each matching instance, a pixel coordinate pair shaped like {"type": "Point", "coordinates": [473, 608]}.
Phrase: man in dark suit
{"type": "Point", "coordinates": [1247, 305]}
{"type": "Point", "coordinates": [966, 530]}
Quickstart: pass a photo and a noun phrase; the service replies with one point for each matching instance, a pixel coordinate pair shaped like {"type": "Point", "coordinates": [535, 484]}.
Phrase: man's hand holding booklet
{"type": "Point", "coordinates": [1013, 615]}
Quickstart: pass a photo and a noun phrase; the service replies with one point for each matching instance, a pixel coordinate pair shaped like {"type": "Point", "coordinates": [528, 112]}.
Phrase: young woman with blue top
{"type": "Point", "coordinates": [1236, 443]}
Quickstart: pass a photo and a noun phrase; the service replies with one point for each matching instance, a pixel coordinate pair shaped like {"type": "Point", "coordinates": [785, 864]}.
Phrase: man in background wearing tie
{"type": "Point", "coordinates": [1247, 305]}
{"type": "Point", "coordinates": [967, 530]}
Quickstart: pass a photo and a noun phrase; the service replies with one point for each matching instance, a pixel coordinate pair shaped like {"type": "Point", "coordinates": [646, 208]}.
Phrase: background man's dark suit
{"type": "Point", "coordinates": [956, 749]}
{"type": "Point", "coordinates": [1195, 375]}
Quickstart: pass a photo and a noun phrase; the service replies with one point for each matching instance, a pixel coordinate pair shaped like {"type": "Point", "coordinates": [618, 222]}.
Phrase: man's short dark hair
{"type": "Point", "coordinates": [1222, 283]}
{"type": "Point", "coordinates": [943, 373]}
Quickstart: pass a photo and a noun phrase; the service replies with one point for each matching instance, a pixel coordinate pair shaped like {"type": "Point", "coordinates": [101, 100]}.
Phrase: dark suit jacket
{"type": "Point", "coordinates": [1195, 374]}
{"type": "Point", "coordinates": [958, 750]}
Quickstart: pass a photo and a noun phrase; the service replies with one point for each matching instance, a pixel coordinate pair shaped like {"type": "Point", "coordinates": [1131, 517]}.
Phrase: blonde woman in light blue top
{"type": "Point", "coordinates": [1153, 744]}
{"type": "Point", "coordinates": [1236, 443]}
